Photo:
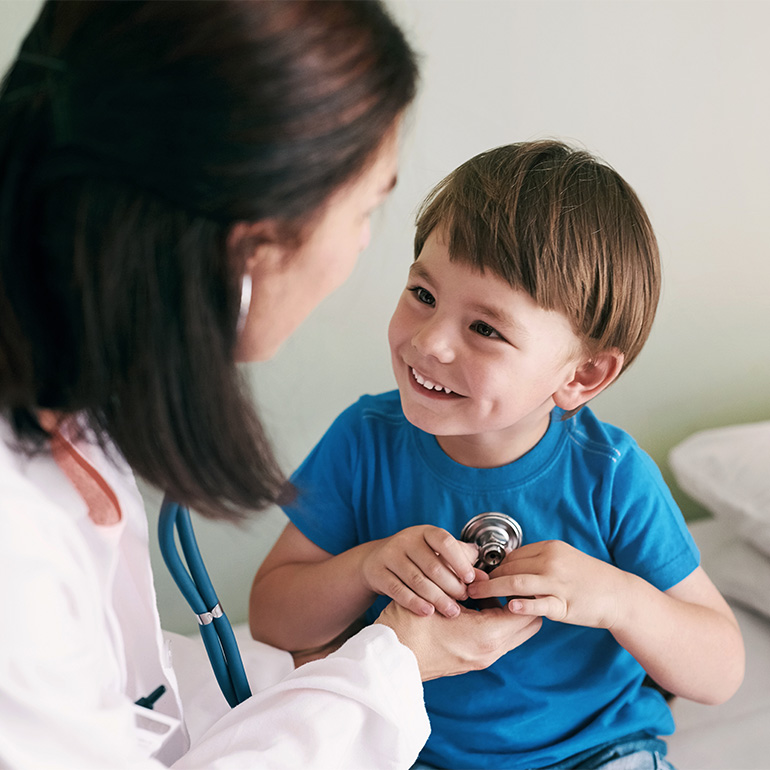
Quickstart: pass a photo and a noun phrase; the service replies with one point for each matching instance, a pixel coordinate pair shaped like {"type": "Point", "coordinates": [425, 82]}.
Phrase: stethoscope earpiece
{"type": "Point", "coordinates": [495, 534]}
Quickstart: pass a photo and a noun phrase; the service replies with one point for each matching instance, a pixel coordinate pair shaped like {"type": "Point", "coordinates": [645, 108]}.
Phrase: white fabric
{"type": "Point", "coordinates": [733, 735]}
{"type": "Point", "coordinates": [742, 573]}
{"type": "Point", "coordinates": [80, 640]}
{"type": "Point", "coordinates": [727, 470]}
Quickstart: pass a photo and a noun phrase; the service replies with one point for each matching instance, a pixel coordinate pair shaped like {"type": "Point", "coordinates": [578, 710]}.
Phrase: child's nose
{"type": "Point", "coordinates": [434, 339]}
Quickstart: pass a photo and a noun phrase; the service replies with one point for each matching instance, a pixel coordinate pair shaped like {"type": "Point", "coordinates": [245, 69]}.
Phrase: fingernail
{"type": "Point", "coordinates": [516, 606]}
{"type": "Point", "coordinates": [453, 611]}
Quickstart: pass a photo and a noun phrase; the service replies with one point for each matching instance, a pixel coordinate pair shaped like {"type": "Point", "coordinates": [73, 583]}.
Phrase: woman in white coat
{"type": "Point", "coordinates": [156, 159]}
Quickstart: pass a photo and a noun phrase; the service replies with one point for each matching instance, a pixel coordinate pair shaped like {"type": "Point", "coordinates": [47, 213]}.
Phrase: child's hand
{"type": "Point", "coordinates": [554, 580]}
{"type": "Point", "coordinates": [421, 568]}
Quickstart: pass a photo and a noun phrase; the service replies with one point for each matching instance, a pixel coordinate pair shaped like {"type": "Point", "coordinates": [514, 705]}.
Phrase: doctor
{"type": "Point", "coordinates": [155, 160]}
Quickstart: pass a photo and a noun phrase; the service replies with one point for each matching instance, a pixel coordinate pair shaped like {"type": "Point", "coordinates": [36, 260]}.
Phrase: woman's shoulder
{"type": "Point", "coordinates": [16, 488]}
{"type": "Point", "coordinates": [27, 491]}
{"type": "Point", "coordinates": [39, 537]}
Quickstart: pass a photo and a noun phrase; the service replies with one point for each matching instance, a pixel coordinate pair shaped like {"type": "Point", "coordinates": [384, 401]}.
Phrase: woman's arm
{"type": "Point", "coordinates": [363, 701]}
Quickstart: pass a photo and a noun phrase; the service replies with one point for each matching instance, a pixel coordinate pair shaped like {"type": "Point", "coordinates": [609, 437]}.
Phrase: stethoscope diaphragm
{"type": "Point", "coordinates": [495, 534]}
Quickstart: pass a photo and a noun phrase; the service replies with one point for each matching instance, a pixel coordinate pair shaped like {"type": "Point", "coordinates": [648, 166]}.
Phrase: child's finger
{"type": "Point", "coordinates": [508, 585]}
{"type": "Point", "coordinates": [402, 594]}
{"type": "Point", "coordinates": [458, 555]}
{"type": "Point", "coordinates": [520, 561]}
{"type": "Point", "coordinates": [480, 575]}
{"type": "Point", "coordinates": [426, 577]}
{"type": "Point", "coordinates": [441, 574]}
{"type": "Point", "coordinates": [551, 607]}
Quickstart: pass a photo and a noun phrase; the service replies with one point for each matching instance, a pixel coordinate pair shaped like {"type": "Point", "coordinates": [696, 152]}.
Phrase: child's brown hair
{"type": "Point", "coordinates": [562, 226]}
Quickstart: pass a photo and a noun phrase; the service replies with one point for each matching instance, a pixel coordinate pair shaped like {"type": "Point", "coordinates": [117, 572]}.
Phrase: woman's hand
{"type": "Point", "coordinates": [421, 568]}
{"type": "Point", "coordinates": [470, 641]}
{"type": "Point", "coordinates": [552, 579]}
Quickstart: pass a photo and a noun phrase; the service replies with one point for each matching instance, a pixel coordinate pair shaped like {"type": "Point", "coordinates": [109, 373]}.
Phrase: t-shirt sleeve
{"type": "Point", "coordinates": [323, 507]}
{"type": "Point", "coordinates": [649, 536]}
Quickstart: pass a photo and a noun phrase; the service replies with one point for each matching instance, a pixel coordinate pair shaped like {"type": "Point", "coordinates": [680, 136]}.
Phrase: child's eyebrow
{"type": "Point", "coordinates": [416, 270]}
{"type": "Point", "coordinates": [500, 318]}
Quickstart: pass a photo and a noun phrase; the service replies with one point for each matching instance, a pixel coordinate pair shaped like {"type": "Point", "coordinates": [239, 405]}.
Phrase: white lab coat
{"type": "Point", "coordinates": [80, 641]}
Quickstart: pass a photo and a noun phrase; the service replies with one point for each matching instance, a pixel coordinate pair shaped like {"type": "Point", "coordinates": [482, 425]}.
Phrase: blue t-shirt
{"type": "Point", "coordinates": [568, 688]}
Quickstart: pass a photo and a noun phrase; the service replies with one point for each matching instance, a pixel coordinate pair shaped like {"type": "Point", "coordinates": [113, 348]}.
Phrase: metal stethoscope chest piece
{"type": "Point", "coordinates": [495, 534]}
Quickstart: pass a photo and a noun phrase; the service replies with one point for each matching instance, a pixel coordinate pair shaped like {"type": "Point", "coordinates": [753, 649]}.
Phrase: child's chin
{"type": "Point", "coordinates": [425, 421]}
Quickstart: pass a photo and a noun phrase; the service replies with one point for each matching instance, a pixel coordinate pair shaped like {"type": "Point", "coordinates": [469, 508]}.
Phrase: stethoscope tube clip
{"type": "Point", "coordinates": [209, 617]}
{"type": "Point", "coordinates": [196, 586]}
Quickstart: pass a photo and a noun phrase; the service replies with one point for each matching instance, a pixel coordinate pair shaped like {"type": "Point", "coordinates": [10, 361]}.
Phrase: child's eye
{"type": "Point", "coordinates": [485, 330]}
{"type": "Point", "coordinates": [423, 295]}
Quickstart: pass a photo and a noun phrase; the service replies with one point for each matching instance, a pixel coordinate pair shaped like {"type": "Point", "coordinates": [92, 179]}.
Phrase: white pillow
{"type": "Point", "coordinates": [727, 470]}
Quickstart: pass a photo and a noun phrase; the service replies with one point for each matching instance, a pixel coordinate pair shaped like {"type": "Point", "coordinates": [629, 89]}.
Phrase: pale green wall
{"type": "Point", "coordinates": [674, 95]}
{"type": "Point", "coordinates": [15, 18]}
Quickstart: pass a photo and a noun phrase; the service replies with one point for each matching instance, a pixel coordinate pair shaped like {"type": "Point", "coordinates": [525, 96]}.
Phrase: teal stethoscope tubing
{"type": "Point", "coordinates": [197, 588]}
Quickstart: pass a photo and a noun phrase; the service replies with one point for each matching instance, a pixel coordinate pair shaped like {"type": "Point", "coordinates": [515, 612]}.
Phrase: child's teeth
{"type": "Point", "coordinates": [428, 384]}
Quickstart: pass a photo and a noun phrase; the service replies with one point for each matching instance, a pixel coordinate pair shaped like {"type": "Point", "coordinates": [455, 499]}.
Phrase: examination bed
{"type": "Point", "coordinates": [727, 471]}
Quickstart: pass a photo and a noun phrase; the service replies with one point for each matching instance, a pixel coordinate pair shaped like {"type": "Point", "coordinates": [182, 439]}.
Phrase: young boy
{"type": "Point", "coordinates": [534, 285]}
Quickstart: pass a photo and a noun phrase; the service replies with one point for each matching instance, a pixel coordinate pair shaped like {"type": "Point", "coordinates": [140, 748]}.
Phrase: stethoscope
{"type": "Point", "coordinates": [195, 583]}
{"type": "Point", "coordinates": [495, 534]}
{"type": "Point", "coordinates": [197, 588]}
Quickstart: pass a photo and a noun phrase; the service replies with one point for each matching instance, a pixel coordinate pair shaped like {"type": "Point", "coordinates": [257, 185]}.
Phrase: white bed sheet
{"type": "Point", "coordinates": [735, 735]}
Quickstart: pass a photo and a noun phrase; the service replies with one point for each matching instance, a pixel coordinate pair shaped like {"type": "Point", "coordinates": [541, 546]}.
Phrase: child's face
{"type": "Point", "coordinates": [501, 355]}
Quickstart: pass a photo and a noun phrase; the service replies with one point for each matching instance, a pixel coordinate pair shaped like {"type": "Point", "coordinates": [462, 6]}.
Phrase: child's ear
{"type": "Point", "coordinates": [589, 380]}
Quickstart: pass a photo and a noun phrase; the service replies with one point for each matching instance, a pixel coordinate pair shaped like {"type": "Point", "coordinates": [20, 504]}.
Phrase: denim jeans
{"type": "Point", "coordinates": [632, 753]}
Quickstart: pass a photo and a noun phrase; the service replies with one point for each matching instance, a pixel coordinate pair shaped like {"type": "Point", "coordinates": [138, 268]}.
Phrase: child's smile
{"type": "Point", "coordinates": [477, 362]}
{"type": "Point", "coordinates": [433, 389]}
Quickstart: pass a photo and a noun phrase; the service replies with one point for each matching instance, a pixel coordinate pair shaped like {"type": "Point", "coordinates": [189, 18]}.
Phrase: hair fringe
{"type": "Point", "coordinates": [562, 226]}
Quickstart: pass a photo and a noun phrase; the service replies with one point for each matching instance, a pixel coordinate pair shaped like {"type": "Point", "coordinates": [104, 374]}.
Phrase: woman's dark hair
{"type": "Point", "coordinates": [133, 135]}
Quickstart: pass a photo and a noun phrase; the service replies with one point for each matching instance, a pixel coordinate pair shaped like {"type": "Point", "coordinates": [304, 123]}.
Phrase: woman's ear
{"type": "Point", "coordinates": [590, 378]}
{"type": "Point", "coordinates": [257, 247]}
